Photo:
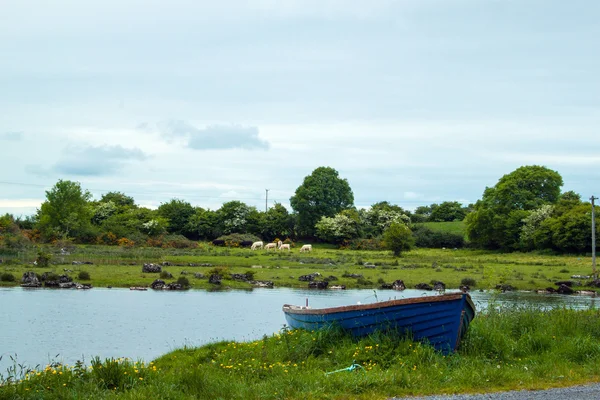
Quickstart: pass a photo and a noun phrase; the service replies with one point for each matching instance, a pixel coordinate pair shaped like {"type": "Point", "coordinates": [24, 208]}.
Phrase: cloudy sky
{"type": "Point", "coordinates": [413, 101]}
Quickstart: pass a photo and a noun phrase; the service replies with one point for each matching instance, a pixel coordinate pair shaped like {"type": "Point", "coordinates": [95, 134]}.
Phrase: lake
{"type": "Point", "coordinates": [45, 325]}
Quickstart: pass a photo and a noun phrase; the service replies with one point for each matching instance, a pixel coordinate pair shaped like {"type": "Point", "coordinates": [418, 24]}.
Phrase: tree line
{"type": "Point", "coordinates": [525, 210]}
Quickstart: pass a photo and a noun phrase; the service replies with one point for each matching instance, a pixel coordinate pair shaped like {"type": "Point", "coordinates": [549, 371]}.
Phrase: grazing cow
{"type": "Point", "coordinates": [281, 246]}
{"type": "Point", "coordinates": [306, 247]}
{"type": "Point", "coordinates": [270, 246]}
{"type": "Point", "coordinates": [256, 245]}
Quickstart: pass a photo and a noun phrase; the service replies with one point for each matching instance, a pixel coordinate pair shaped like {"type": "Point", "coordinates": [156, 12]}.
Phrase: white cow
{"type": "Point", "coordinates": [270, 246]}
{"type": "Point", "coordinates": [256, 245]}
{"type": "Point", "coordinates": [306, 247]}
{"type": "Point", "coordinates": [281, 246]}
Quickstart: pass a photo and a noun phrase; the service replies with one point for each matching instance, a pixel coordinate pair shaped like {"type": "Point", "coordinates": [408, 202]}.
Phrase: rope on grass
{"type": "Point", "coordinates": [349, 369]}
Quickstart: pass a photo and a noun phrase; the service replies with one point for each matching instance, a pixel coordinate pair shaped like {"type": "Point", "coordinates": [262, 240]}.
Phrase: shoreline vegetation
{"type": "Point", "coordinates": [504, 349]}
{"type": "Point", "coordinates": [113, 266]}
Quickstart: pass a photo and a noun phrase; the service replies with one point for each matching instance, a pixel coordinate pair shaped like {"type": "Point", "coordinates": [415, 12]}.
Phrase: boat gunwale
{"type": "Point", "coordinates": [291, 309]}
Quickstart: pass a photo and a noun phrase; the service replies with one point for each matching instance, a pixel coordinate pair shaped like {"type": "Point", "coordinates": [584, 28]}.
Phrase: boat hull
{"type": "Point", "coordinates": [439, 320]}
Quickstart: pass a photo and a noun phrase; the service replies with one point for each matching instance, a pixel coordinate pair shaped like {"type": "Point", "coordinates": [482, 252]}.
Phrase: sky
{"type": "Point", "coordinates": [412, 101]}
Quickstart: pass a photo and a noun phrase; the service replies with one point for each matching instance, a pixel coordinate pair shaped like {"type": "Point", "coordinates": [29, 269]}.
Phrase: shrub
{"type": "Point", "coordinates": [48, 276]}
{"type": "Point", "coordinates": [107, 238]}
{"type": "Point", "coordinates": [468, 282]}
{"type": "Point", "coordinates": [428, 238]}
{"type": "Point", "coordinates": [84, 276]}
{"type": "Point", "coordinates": [178, 242]}
{"type": "Point", "coordinates": [236, 239]}
{"type": "Point", "coordinates": [398, 238]}
{"type": "Point", "coordinates": [183, 281]}
{"type": "Point", "coordinates": [165, 275]}
{"type": "Point", "coordinates": [7, 277]}
{"type": "Point", "coordinates": [43, 259]}
{"type": "Point", "coordinates": [365, 244]}
{"type": "Point", "coordinates": [124, 242]}
{"type": "Point", "coordinates": [221, 271]}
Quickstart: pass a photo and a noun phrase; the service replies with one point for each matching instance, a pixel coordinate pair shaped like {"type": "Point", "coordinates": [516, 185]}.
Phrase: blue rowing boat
{"type": "Point", "coordinates": [440, 320]}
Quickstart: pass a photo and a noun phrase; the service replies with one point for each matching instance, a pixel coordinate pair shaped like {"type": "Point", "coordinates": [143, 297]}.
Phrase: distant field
{"type": "Point", "coordinates": [457, 227]}
{"type": "Point", "coordinates": [122, 267]}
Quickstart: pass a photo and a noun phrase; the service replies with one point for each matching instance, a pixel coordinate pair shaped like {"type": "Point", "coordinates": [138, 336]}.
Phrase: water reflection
{"type": "Point", "coordinates": [40, 324]}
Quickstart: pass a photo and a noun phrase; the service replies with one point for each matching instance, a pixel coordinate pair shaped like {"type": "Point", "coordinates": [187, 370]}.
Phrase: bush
{"type": "Point", "coordinates": [428, 238]}
{"type": "Point", "coordinates": [236, 239]}
{"type": "Point", "coordinates": [43, 259]}
{"type": "Point", "coordinates": [7, 277]}
{"type": "Point", "coordinates": [364, 244]}
{"type": "Point", "coordinates": [178, 242]}
{"type": "Point", "coordinates": [84, 276]}
{"type": "Point", "coordinates": [124, 242]}
{"type": "Point", "coordinates": [165, 275]}
{"type": "Point", "coordinates": [183, 281]}
{"type": "Point", "coordinates": [398, 238]}
{"type": "Point", "coordinates": [468, 282]}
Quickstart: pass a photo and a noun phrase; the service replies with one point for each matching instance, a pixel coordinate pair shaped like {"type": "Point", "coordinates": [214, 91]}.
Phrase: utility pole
{"type": "Point", "coordinates": [266, 198]}
{"type": "Point", "coordinates": [594, 237]}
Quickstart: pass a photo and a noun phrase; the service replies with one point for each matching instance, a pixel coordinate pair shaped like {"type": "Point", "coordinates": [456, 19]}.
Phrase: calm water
{"type": "Point", "coordinates": [44, 325]}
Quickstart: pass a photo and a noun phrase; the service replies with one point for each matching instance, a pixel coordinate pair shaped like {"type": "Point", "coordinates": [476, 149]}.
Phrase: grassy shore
{"type": "Point", "coordinates": [122, 267]}
{"type": "Point", "coordinates": [515, 348]}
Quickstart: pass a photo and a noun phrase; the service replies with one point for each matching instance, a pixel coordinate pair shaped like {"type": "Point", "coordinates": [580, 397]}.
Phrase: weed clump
{"type": "Point", "coordinates": [7, 277]}
{"type": "Point", "coordinates": [84, 276]}
{"type": "Point", "coordinates": [468, 282]}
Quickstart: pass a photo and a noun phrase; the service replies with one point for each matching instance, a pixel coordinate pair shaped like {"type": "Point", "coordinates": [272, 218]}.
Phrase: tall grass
{"type": "Point", "coordinates": [505, 348]}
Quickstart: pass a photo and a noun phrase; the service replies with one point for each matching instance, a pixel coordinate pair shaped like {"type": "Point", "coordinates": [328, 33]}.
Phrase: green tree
{"type": "Point", "coordinates": [498, 217]}
{"type": "Point", "coordinates": [177, 213]}
{"type": "Point", "coordinates": [204, 224]}
{"type": "Point", "coordinates": [66, 211]}
{"type": "Point", "coordinates": [236, 217]}
{"type": "Point", "coordinates": [322, 194]}
{"type": "Point", "coordinates": [526, 188]}
{"type": "Point", "coordinates": [277, 222]}
{"type": "Point", "coordinates": [337, 229]}
{"type": "Point", "coordinates": [448, 211]}
{"type": "Point", "coordinates": [532, 223]}
{"type": "Point", "coordinates": [379, 217]}
{"type": "Point", "coordinates": [398, 238]}
{"type": "Point", "coordinates": [119, 199]}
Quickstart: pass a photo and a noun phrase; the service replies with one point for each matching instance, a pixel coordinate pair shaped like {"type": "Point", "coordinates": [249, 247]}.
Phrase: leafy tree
{"type": "Point", "coordinates": [322, 194]}
{"type": "Point", "coordinates": [155, 227]}
{"type": "Point", "coordinates": [204, 224]}
{"type": "Point", "coordinates": [532, 223]}
{"type": "Point", "coordinates": [235, 217]}
{"type": "Point", "coordinates": [571, 231]}
{"type": "Point", "coordinates": [66, 211]}
{"type": "Point", "coordinates": [28, 222]}
{"type": "Point", "coordinates": [498, 217]}
{"type": "Point", "coordinates": [377, 219]}
{"type": "Point", "coordinates": [177, 213]}
{"type": "Point", "coordinates": [448, 211]}
{"type": "Point", "coordinates": [337, 229]}
{"type": "Point", "coordinates": [424, 210]}
{"type": "Point", "coordinates": [102, 211]}
{"type": "Point", "coordinates": [118, 199]}
{"type": "Point", "coordinates": [398, 238]}
{"type": "Point", "coordinates": [526, 188]}
{"type": "Point", "coordinates": [277, 222]}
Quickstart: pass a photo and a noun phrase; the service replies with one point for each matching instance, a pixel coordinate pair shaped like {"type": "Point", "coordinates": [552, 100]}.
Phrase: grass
{"type": "Point", "coordinates": [122, 267]}
{"type": "Point", "coordinates": [514, 348]}
{"type": "Point", "coordinates": [457, 227]}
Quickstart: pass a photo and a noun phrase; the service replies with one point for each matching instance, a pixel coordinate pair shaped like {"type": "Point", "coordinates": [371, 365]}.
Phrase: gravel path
{"type": "Point", "coordinates": [587, 392]}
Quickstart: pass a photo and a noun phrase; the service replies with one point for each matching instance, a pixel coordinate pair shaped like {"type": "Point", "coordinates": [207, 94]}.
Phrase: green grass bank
{"type": "Point", "coordinates": [514, 348]}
